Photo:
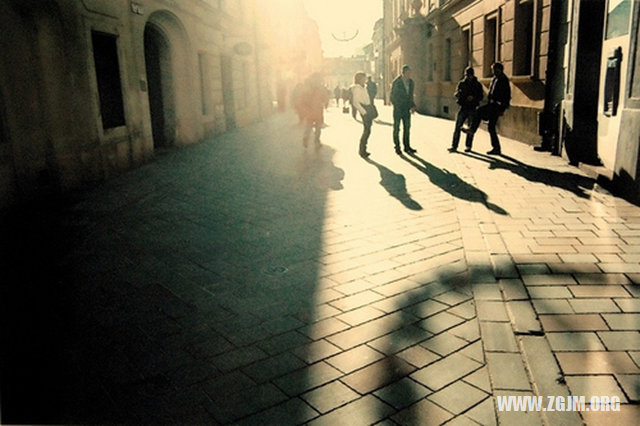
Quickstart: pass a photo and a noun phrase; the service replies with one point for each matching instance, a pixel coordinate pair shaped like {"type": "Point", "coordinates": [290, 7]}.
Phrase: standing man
{"type": "Point", "coordinates": [372, 89]}
{"type": "Point", "coordinates": [469, 93]}
{"type": "Point", "coordinates": [499, 98]}
{"type": "Point", "coordinates": [403, 107]}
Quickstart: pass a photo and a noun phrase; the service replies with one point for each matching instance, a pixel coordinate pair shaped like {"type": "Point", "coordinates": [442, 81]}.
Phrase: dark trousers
{"type": "Point", "coordinates": [366, 131]}
{"type": "Point", "coordinates": [463, 115]}
{"type": "Point", "coordinates": [406, 126]}
{"type": "Point", "coordinates": [491, 113]}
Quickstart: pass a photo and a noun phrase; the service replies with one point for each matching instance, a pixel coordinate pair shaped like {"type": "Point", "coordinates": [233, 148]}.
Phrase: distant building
{"type": "Point", "coordinates": [339, 71]}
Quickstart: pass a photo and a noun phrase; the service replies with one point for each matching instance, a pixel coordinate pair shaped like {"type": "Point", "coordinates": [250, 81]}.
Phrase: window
{"type": "Point", "coordinates": [447, 59]}
{"type": "Point", "coordinates": [618, 18]}
{"type": "Point", "coordinates": [105, 55]}
{"type": "Point", "coordinates": [465, 48]}
{"type": "Point", "coordinates": [523, 50]}
{"type": "Point", "coordinates": [491, 43]}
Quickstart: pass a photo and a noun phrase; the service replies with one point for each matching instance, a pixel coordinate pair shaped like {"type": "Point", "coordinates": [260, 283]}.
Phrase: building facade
{"type": "Point", "coordinates": [440, 38]}
{"type": "Point", "coordinates": [89, 88]}
{"type": "Point", "coordinates": [597, 80]}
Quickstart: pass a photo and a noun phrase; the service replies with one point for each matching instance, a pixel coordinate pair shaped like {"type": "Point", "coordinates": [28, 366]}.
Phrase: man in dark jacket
{"type": "Point", "coordinates": [403, 107]}
{"type": "Point", "coordinates": [469, 93]}
{"type": "Point", "coordinates": [499, 98]}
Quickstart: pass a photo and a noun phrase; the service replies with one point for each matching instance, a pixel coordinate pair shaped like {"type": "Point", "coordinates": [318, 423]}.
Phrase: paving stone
{"type": "Point", "coordinates": [507, 371]}
{"type": "Point", "coordinates": [574, 268]}
{"type": "Point", "coordinates": [273, 367]}
{"type": "Point", "coordinates": [622, 321]}
{"type": "Point", "coordinates": [565, 322]}
{"type": "Point", "coordinates": [283, 342]}
{"type": "Point", "coordinates": [356, 301]}
{"type": "Point", "coordinates": [513, 289]}
{"type": "Point", "coordinates": [310, 377]}
{"type": "Point", "coordinates": [361, 315]}
{"type": "Point", "coordinates": [399, 340]}
{"type": "Point", "coordinates": [316, 351]}
{"type": "Point", "coordinates": [441, 373]}
{"type": "Point", "coordinates": [418, 356]}
{"type": "Point", "coordinates": [354, 359]}
{"type": "Point", "coordinates": [630, 383]}
{"type": "Point", "coordinates": [548, 279]}
{"type": "Point", "coordinates": [427, 308]}
{"type": "Point", "coordinates": [293, 411]}
{"type": "Point", "coordinates": [628, 415]}
{"type": "Point", "coordinates": [596, 363]}
{"type": "Point", "coordinates": [423, 412]}
{"type": "Point", "coordinates": [366, 332]}
{"type": "Point", "coordinates": [491, 311]}
{"type": "Point", "coordinates": [378, 374]}
{"type": "Point", "coordinates": [465, 310]}
{"type": "Point", "coordinates": [524, 418]}
{"type": "Point", "coordinates": [594, 291]}
{"type": "Point", "coordinates": [583, 306]}
{"type": "Point", "coordinates": [364, 411]}
{"type": "Point", "coordinates": [480, 379]}
{"type": "Point", "coordinates": [402, 393]}
{"type": "Point", "coordinates": [457, 397]}
{"type": "Point", "coordinates": [575, 341]}
{"type": "Point", "coordinates": [620, 340]}
{"type": "Point", "coordinates": [589, 386]}
{"type": "Point", "coordinates": [628, 305]}
{"type": "Point", "coordinates": [324, 328]}
{"type": "Point", "coordinates": [444, 344]}
{"type": "Point", "coordinates": [483, 413]}
{"type": "Point", "coordinates": [440, 322]}
{"type": "Point", "coordinates": [549, 292]}
{"type": "Point", "coordinates": [498, 337]}
{"type": "Point", "coordinates": [601, 279]}
{"type": "Point", "coordinates": [330, 396]}
{"type": "Point", "coordinates": [226, 408]}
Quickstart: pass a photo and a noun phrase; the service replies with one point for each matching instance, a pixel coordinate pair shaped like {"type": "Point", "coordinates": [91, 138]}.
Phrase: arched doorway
{"type": "Point", "coordinates": [157, 55]}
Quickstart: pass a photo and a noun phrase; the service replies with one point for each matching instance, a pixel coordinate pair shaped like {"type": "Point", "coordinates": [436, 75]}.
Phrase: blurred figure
{"type": "Point", "coordinates": [403, 107]}
{"type": "Point", "coordinates": [469, 93]}
{"type": "Point", "coordinates": [337, 93]}
{"type": "Point", "coordinates": [296, 101]}
{"type": "Point", "coordinates": [372, 89]}
{"type": "Point", "coordinates": [313, 100]}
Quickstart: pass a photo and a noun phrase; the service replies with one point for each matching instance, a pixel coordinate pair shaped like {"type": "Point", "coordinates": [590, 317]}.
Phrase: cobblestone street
{"type": "Point", "coordinates": [249, 280]}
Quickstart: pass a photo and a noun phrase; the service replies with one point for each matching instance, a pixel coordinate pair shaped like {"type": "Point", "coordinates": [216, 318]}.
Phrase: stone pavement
{"type": "Point", "coordinates": [248, 280]}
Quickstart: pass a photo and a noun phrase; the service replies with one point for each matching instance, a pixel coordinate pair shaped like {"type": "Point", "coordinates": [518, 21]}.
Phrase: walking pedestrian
{"type": "Point", "coordinates": [360, 101]}
{"type": "Point", "coordinates": [499, 98]}
{"type": "Point", "coordinates": [337, 93]}
{"type": "Point", "coordinates": [372, 89]}
{"type": "Point", "coordinates": [469, 93]}
{"type": "Point", "coordinates": [313, 100]}
{"type": "Point", "coordinates": [403, 107]}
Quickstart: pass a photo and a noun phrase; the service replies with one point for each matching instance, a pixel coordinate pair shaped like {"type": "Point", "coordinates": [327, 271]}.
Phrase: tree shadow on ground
{"type": "Point", "coordinates": [434, 318]}
{"type": "Point", "coordinates": [395, 184]}
{"type": "Point", "coordinates": [451, 183]}
{"type": "Point", "coordinates": [572, 182]}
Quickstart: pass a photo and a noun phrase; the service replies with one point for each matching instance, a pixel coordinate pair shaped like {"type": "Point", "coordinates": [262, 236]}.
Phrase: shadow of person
{"type": "Point", "coordinates": [571, 182]}
{"type": "Point", "coordinates": [451, 183]}
{"type": "Point", "coordinates": [395, 184]}
{"type": "Point", "coordinates": [316, 169]}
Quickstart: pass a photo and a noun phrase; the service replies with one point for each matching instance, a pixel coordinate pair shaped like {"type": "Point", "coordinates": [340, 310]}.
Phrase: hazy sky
{"type": "Point", "coordinates": [342, 18]}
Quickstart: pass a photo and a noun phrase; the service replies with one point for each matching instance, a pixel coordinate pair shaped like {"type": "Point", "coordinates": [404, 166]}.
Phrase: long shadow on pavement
{"type": "Point", "coordinates": [572, 182]}
{"type": "Point", "coordinates": [395, 184]}
{"type": "Point", "coordinates": [177, 293]}
{"type": "Point", "coordinates": [451, 183]}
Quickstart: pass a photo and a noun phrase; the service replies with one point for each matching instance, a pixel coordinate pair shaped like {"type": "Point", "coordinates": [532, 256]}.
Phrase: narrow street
{"type": "Point", "coordinates": [249, 280]}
